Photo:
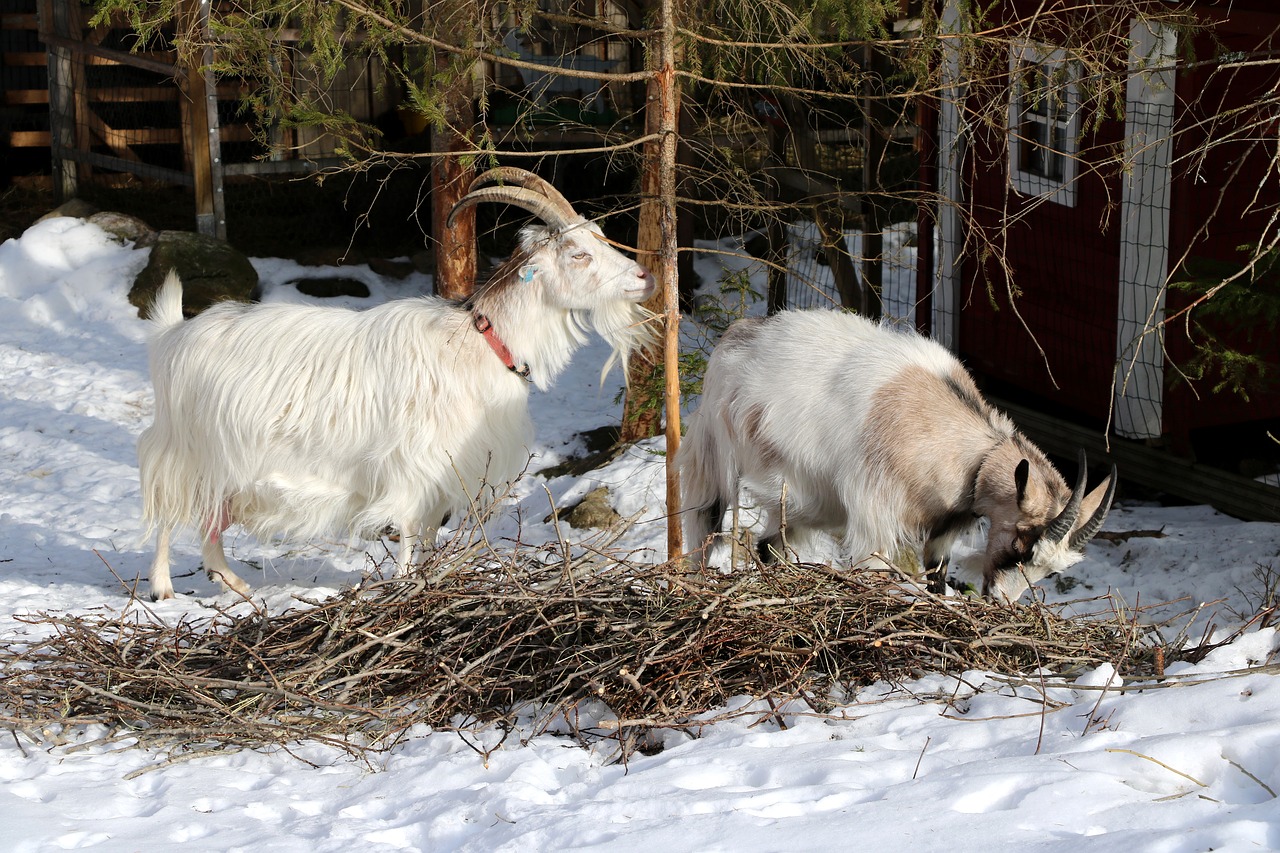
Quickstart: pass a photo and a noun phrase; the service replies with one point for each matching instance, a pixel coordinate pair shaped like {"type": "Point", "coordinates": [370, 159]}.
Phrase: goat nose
{"type": "Point", "coordinates": [647, 282]}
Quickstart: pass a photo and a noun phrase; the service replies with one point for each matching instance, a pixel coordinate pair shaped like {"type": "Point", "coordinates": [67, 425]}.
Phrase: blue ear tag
{"type": "Point", "coordinates": [526, 274]}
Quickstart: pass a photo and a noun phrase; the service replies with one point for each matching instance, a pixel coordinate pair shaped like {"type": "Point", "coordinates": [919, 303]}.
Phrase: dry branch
{"type": "Point", "coordinates": [482, 635]}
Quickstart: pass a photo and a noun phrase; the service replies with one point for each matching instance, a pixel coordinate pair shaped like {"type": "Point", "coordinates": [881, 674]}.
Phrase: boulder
{"type": "Point", "coordinates": [593, 511]}
{"type": "Point", "coordinates": [125, 228]}
{"type": "Point", "coordinates": [75, 208]}
{"type": "Point", "coordinates": [211, 271]}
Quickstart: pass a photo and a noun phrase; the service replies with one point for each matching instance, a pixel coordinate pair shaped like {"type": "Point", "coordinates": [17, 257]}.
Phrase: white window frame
{"type": "Point", "coordinates": [1044, 123]}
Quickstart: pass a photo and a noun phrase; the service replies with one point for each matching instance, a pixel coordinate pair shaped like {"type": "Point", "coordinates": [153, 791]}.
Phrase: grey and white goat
{"type": "Point", "coordinates": [881, 438]}
{"type": "Point", "coordinates": [304, 420]}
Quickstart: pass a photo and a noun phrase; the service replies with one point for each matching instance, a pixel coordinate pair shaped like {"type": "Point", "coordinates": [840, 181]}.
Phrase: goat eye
{"type": "Point", "coordinates": [581, 256]}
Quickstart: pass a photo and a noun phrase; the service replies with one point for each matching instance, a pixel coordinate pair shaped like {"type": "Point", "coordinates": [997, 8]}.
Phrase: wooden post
{"type": "Point", "coordinates": [455, 247]}
{"type": "Point", "coordinates": [879, 122]}
{"type": "Point", "coordinates": [56, 20]}
{"type": "Point", "coordinates": [946, 296]}
{"type": "Point", "coordinates": [201, 133]}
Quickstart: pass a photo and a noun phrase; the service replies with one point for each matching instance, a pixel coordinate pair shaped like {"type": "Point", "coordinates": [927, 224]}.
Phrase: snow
{"type": "Point", "coordinates": [965, 761]}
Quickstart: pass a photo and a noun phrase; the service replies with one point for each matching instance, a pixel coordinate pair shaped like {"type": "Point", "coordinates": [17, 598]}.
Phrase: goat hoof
{"type": "Point", "coordinates": [239, 588]}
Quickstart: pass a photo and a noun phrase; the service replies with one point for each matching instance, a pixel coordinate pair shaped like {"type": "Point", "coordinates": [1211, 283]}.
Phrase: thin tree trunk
{"type": "Point", "coordinates": [642, 411]}
{"type": "Point", "coordinates": [456, 246]}
{"type": "Point", "coordinates": [669, 121]}
{"type": "Point", "coordinates": [658, 247]}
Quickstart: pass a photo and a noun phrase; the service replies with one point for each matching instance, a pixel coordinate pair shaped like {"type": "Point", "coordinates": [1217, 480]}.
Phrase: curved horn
{"type": "Point", "coordinates": [1091, 527]}
{"type": "Point", "coordinates": [1061, 526]}
{"type": "Point", "coordinates": [530, 181]}
{"type": "Point", "coordinates": [534, 202]}
{"type": "Point", "coordinates": [521, 178]}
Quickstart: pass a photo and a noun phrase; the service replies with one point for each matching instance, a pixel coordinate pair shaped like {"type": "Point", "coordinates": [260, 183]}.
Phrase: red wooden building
{"type": "Point", "coordinates": [1092, 219]}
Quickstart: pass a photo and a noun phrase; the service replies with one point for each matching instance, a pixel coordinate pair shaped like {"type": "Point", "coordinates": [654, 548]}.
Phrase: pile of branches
{"type": "Point", "coordinates": [479, 635]}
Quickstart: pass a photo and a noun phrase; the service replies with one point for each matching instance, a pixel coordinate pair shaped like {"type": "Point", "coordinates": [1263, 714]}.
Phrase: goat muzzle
{"type": "Point", "coordinates": [644, 287]}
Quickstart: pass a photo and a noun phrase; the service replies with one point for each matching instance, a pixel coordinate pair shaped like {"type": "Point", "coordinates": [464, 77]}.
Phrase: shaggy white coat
{"type": "Point", "coordinates": [301, 420]}
{"type": "Point", "coordinates": [875, 436]}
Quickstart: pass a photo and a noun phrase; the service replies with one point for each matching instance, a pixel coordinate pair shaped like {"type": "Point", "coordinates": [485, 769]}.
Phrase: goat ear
{"type": "Point", "coordinates": [1020, 475]}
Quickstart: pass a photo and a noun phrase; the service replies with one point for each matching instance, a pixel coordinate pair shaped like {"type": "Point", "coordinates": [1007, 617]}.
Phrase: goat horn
{"type": "Point", "coordinates": [1091, 527]}
{"type": "Point", "coordinates": [521, 178]}
{"type": "Point", "coordinates": [1061, 526]}
{"type": "Point", "coordinates": [552, 207]}
{"type": "Point", "coordinates": [531, 200]}
{"type": "Point", "coordinates": [528, 180]}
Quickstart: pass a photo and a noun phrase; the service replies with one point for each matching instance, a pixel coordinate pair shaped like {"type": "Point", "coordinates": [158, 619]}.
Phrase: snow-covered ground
{"type": "Point", "coordinates": [1181, 767]}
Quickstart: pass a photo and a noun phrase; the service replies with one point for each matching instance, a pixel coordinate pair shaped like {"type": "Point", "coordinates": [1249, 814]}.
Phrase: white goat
{"type": "Point", "coordinates": [880, 438]}
{"type": "Point", "coordinates": [303, 420]}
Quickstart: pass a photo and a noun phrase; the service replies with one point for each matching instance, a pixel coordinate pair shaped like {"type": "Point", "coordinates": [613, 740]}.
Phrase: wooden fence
{"type": "Point", "coordinates": [118, 114]}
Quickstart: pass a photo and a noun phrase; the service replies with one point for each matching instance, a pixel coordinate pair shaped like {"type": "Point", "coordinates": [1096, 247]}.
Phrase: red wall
{"type": "Point", "coordinates": [1065, 261]}
{"type": "Point", "coordinates": [1222, 202]}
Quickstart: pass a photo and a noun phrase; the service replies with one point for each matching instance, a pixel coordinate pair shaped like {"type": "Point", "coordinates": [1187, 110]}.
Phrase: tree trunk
{"type": "Point", "coordinates": [456, 246]}
{"type": "Point", "coordinates": [669, 152]}
{"type": "Point", "coordinates": [659, 250]}
{"type": "Point", "coordinates": [642, 410]}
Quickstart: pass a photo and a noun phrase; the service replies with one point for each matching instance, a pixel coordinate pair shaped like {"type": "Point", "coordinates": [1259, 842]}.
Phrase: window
{"type": "Point", "coordinates": [1043, 124]}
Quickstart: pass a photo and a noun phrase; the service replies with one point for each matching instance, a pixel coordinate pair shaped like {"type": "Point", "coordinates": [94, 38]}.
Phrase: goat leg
{"type": "Point", "coordinates": [935, 576]}
{"type": "Point", "coordinates": [935, 561]}
{"type": "Point", "coordinates": [215, 558]}
{"type": "Point", "coordinates": [161, 582]}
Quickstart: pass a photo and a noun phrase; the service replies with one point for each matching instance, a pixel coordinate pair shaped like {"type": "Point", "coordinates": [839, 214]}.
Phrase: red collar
{"type": "Point", "coordinates": [484, 327]}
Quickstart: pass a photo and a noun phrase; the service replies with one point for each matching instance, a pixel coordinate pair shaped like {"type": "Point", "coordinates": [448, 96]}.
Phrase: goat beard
{"type": "Point", "coordinates": [628, 327]}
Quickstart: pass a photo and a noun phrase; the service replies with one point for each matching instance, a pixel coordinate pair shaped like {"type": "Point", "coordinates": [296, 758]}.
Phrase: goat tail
{"type": "Point", "coordinates": [166, 308]}
{"type": "Point", "coordinates": [703, 484]}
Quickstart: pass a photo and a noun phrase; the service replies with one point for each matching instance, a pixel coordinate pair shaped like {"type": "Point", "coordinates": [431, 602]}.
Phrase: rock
{"type": "Point", "coordinates": [122, 226]}
{"type": "Point", "coordinates": [75, 208]}
{"type": "Point", "coordinates": [125, 227]}
{"type": "Point", "coordinates": [593, 511]}
{"type": "Point", "coordinates": [211, 271]}
{"type": "Point", "coordinates": [327, 288]}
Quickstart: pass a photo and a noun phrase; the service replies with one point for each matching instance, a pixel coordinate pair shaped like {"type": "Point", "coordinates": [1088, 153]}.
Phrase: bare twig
{"type": "Point", "coordinates": [486, 629]}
